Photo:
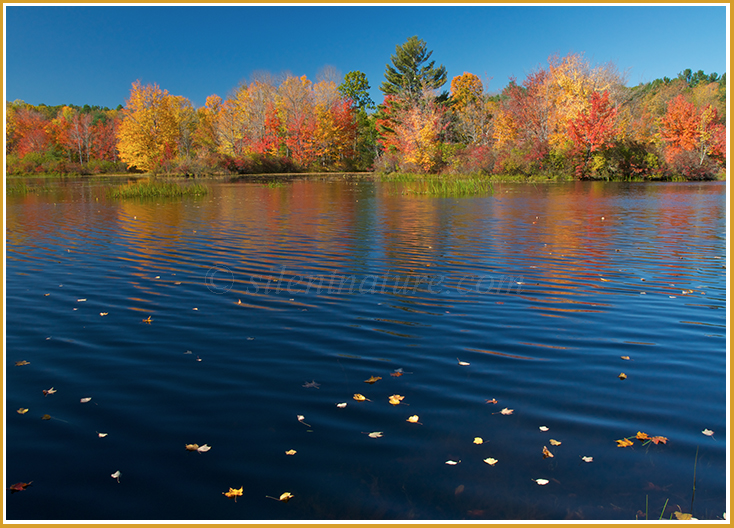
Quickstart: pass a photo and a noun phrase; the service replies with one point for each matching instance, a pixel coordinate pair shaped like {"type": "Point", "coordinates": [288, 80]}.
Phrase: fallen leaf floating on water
{"type": "Point", "coordinates": [490, 401]}
{"type": "Point", "coordinates": [104, 313]}
{"type": "Point", "coordinates": [233, 493]}
{"type": "Point", "coordinates": [285, 497]}
{"type": "Point", "coordinates": [341, 405]}
{"type": "Point", "coordinates": [148, 320]}
{"type": "Point", "coordinates": [478, 440]}
{"type": "Point", "coordinates": [554, 442]}
{"type": "Point", "coordinates": [463, 363]}
{"type": "Point", "coordinates": [395, 399]}
{"type": "Point", "coordinates": [359, 397]}
{"type": "Point", "coordinates": [116, 475]}
{"type": "Point", "coordinates": [396, 374]}
{"type": "Point", "coordinates": [102, 435]}
{"type": "Point", "coordinates": [658, 440]}
{"type": "Point", "coordinates": [707, 432]}
{"type": "Point", "coordinates": [19, 486]}
{"type": "Point", "coordinates": [491, 461]}
{"type": "Point", "coordinates": [604, 280]}
{"type": "Point", "coordinates": [683, 516]}
{"type": "Point", "coordinates": [375, 434]}
{"type": "Point", "coordinates": [192, 447]}
{"type": "Point", "coordinates": [587, 459]}
{"type": "Point", "coordinates": [453, 462]}
{"type": "Point", "coordinates": [291, 452]}
{"type": "Point", "coordinates": [623, 376]}
{"type": "Point", "coordinates": [641, 436]}
{"type": "Point", "coordinates": [22, 410]}
{"type": "Point", "coordinates": [46, 417]}
{"type": "Point", "coordinates": [413, 419]}
{"type": "Point", "coordinates": [625, 357]}
{"type": "Point", "coordinates": [541, 482]}
{"type": "Point", "coordinates": [301, 418]}
{"type": "Point", "coordinates": [85, 400]}
{"type": "Point", "coordinates": [506, 411]}
{"type": "Point", "coordinates": [624, 442]}
{"type": "Point", "coordinates": [81, 300]}
{"type": "Point", "coordinates": [46, 294]}
{"type": "Point", "coordinates": [49, 391]}
{"type": "Point", "coordinates": [311, 384]}
{"type": "Point", "coordinates": [21, 363]}
{"type": "Point", "coordinates": [543, 428]}
{"type": "Point", "coordinates": [546, 453]}
{"type": "Point", "coordinates": [204, 448]}
{"type": "Point", "coordinates": [373, 379]}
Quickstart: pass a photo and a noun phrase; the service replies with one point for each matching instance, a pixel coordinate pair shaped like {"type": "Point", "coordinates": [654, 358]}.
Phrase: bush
{"type": "Point", "coordinates": [258, 164]}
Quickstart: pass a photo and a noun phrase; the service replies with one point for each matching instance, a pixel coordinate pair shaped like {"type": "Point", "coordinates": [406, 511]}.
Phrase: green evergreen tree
{"type": "Point", "coordinates": [409, 73]}
{"type": "Point", "coordinates": [356, 87]}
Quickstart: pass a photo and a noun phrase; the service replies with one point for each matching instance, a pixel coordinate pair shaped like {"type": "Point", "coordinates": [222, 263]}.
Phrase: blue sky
{"type": "Point", "coordinates": [91, 55]}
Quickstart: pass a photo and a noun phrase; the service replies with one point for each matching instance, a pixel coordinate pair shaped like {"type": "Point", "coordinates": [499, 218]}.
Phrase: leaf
{"type": "Point", "coordinates": [81, 300]}
{"type": "Point", "coordinates": [623, 376]}
{"type": "Point", "coordinates": [543, 428]}
{"type": "Point", "coordinates": [46, 417]}
{"type": "Point", "coordinates": [359, 397]}
{"type": "Point", "coordinates": [625, 357]}
{"type": "Point", "coordinates": [301, 418]}
{"type": "Point", "coordinates": [341, 405]}
{"type": "Point", "coordinates": [491, 461]}
{"type": "Point", "coordinates": [104, 313]}
{"type": "Point", "coordinates": [291, 452]}
{"type": "Point", "coordinates": [506, 411]}
{"type": "Point", "coordinates": [21, 363]}
{"type": "Point", "coordinates": [453, 462]}
{"type": "Point", "coordinates": [642, 436]}
{"type": "Point", "coordinates": [682, 516]}
{"type": "Point", "coordinates": [541, 482]}
{"type": "Point", "coordinates": [395, 399]}
{"type": "Point", "coordinates": [413, 419]}
{"type": "Point", "coordinates": [233, 493]}
{"type": "Point", "coordinates": [285, 497]}
{"type": "Point", "coordinates": [587, 458]}
{"type": "Point", "coordinates": [148, 320]}
{"type": "Point", "coordinates": [49, 391]}
{"type": "Point", "coordinates": [192, 447]}
{"type": "Point", "coordinates": [396, 374]}
{"type": "Point", "coordinates": [490, 401]}
{"type": "Point", "coordinates": [546, 453]}
{"type": "Point", "coordinates": [373, 379]}
{"type": "Point", "coordinates": [624, 442]}
{"type": "Point", "coordinates": [478, 440]}
{"type": "Point", "coordinates": [19, 486]}
{"type": "Point", "coordinates": [85, 400]}
{"type": "Point", "coordinates": [102, 435]}
{"type": "Point", "coordinates": [463, 363]}
{"type": "Point", "coordinates": [554, 442]}
{"type": "Point", "coordinates": [116, 475]}
{"type": "Point", "coordinates": [375, 434]}
{"type": "Point", "coordinates": [707, 432]}
{"type": "Point", "coordinates": [658, 440]}
{"type": "Point", "coordinates": [311, 385]}
{"type": "Point", "coordinates": [22, 410]}
{"type": "Point", "coordinates": [204, 448]}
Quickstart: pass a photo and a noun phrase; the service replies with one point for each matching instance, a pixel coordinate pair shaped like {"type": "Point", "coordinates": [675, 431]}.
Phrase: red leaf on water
{"type": "Point", "coordinates": [19, 486]}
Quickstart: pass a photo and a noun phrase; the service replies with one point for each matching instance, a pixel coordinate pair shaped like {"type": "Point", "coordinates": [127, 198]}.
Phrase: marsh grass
{"type": "Point", "coordinates": [439, 185]}
{"type": "Point", "coordinates": [22, 188]}
{"type": "Point", "coordinates": [156, 189]}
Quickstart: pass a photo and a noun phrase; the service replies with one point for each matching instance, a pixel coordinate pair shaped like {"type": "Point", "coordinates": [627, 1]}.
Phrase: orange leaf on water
{"type": "Point", "coordinates": [546, 453]}
{"type": "Point", "coordinates": [624, 442]}
{"type": "Point", "coordinates": [233, 493]}
{"type": "Point", "coordinates": [642, 436]}
{"type": "Point", "coordinates": [373, 379]}
{"type": "Point", "coordinates": [396, 374]}
{"type": "Point", "coordinates": [658, 440]}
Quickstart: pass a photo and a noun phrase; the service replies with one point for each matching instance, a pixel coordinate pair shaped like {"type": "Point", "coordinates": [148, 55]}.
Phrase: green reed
{"type": "Point", "coordinates": [157, 190]}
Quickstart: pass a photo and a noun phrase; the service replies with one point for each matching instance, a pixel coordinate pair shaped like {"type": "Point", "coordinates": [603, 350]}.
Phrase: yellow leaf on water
{"type": "Point", "coordinates": [642, 436]}
{"type": "Point", "coordinates": [285, 497]}
{"type": "Point", "coordinates": [491, 461]}
{"type": "Point", "coordinates": [413, 419]}
{"type": "Point", "coordinates": [478, 440]}
{"type": "Point", "coordinates": [624, 442]}
{"type": "Point", "coordinates": [546, 453]}
{"type": "Point", "coordinates": [359, 397]}
{"type": "Point", "coordinates": [376, 434]}
{"type": "Point", "coordinates": [150, 319]}
{"type": "Point", "coordinates": [22, 410]}
{"type": "Point", "coordinates": [463, 363]}
{"type": "Point", "coordinates": [291, 452]}
{"type": "Point", "coordinates": [506, 411]}
{"type": "Point", "coordinates": [21, 363]}
{"type": "Point", "coordinates": [46, 417]}
{"type": "Point", "coordinates": [192, 447]}
{"type": "Point", "coordinates": [233, 493]}
{"type": "Point", "coordinates": [623, 376]}
{"type": "Point", "coordinates": [373, 379]}
{"type": "Point", "coordinates": [683, 516]}
{"type": "Point", "coordinates": [554, 442]}
{"type": "Point", "coordinates": [395, 399]}
{"type": "Point", "coordinates": [625, 357]}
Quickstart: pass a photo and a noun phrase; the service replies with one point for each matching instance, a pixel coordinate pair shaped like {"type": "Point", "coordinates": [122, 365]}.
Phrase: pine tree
{"type": "Point", "coordinates": [409, 75]}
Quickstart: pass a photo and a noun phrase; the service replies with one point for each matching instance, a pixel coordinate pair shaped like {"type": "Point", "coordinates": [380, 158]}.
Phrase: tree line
{"type": "Point", "coordinates": [570, 117]}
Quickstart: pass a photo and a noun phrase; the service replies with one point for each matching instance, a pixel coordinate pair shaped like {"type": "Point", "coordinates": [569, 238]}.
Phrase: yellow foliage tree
{"type": "Point", "coordinates": [149, 132]}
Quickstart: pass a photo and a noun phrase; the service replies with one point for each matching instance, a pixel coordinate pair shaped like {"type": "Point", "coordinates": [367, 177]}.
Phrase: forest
{"type": "Point", "coordinates": [569, 118]}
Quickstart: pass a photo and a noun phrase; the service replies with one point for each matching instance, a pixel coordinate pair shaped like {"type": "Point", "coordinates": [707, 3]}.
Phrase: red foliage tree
{"type": "Point", "coordinates": [593, 130]}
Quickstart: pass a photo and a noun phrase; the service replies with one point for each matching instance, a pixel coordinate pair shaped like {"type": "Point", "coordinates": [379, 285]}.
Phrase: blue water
{"type": "Point", "coordinates": [254, 292]}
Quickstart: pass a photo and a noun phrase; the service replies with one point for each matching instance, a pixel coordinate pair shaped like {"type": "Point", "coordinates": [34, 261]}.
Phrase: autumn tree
{"type": "Point", "coordinates": [593, 130]}
{"type": "Point", "coordinates": [149, 132]}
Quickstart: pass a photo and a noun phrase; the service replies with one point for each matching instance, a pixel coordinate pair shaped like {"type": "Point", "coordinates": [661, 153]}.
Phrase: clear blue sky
{"type": "Point", "coordinates": [91, 55]}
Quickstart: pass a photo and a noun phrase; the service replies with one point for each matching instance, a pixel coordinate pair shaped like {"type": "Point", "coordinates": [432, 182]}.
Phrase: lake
{"type": "Point", "coordinates": [243, 320]}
